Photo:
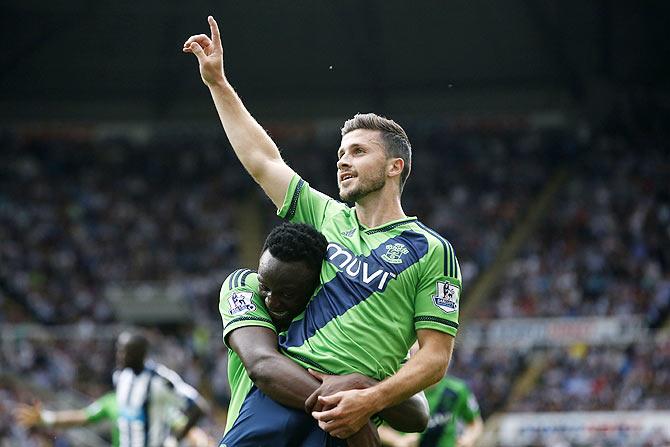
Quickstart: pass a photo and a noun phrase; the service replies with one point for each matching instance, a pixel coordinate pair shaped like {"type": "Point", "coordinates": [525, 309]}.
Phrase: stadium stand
{"type": "Point", "coordinates": [81, 211]}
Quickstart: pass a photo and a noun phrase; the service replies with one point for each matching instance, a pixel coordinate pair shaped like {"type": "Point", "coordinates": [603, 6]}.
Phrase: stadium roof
{"type": "Point", "coordinates": [122, 58]}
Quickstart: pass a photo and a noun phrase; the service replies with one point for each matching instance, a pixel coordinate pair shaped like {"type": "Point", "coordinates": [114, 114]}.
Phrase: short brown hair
{"type": "Point", "coordinates": [394, 136]}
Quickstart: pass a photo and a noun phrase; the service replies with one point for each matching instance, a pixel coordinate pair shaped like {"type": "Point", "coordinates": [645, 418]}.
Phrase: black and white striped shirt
{"type": "Point", "coordinates": [147, 403]}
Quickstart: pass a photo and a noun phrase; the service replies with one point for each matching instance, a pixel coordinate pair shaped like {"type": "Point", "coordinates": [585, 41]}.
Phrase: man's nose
{"type": "Point", "coordinates": [343, 162]}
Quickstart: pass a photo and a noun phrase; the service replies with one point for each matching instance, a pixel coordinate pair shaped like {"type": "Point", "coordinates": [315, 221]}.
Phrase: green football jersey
{"type": "Point", "coordinates": [451, 402]}
{"type": "Point", "coordinates": [378, 287]}
{"type": "Point", "coordinates": [240, 305]}
{"type": "Point", "coordinates": [105, 408]}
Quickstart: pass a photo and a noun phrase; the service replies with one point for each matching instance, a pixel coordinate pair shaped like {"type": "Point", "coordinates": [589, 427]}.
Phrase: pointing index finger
{"type": "Point", "coordinates": [216, 36]}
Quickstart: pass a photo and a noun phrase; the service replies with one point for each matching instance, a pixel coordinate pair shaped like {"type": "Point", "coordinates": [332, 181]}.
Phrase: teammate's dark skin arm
{"type": "Point", "coordinates": [410, 416]}
{"type": "Point", "coordinates": [193, 413]}
{"type": "Point", "coordinates": [289, 384]}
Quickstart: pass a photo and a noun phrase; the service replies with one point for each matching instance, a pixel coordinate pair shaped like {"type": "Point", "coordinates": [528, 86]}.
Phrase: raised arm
{"type": "Point", "coordinates": [252, 145]}
{"type": "Point", "coordinates": [34, 416]}
{"type": "Point", "coordinates": [353, 408]}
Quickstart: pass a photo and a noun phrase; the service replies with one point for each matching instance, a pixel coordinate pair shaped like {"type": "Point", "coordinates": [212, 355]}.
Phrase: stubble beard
{"type": "Point", "coordinates": [364, 188]}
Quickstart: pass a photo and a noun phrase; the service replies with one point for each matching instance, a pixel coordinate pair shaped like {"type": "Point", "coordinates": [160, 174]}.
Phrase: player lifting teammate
{"type": "Point", "coordinates": [387, 275]}
{"type": "Point", "coordinates": [255, 307]}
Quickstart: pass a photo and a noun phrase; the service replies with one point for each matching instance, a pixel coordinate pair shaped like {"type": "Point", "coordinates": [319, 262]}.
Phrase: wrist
{"type": "Point", "coordinates": [375, 398]}
{"type": "Point", "coordinates": [221, 85]}
{"type": "Point", "coordinates": [47, 418]}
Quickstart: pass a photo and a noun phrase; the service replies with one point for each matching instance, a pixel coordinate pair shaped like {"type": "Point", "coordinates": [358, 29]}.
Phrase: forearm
{"type": "Point", "coordinates": [252, 145]}
{"type": "Point", "coordinates": [424, 369]}
{"type": "Point", "coordinates": [283, 380]}
{"type": "Point", "coordinates": [64, 418]}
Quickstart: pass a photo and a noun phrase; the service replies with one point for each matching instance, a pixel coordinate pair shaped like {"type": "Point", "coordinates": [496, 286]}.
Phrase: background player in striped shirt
{"type": "Point", "coordinates": [389, 280]}
{"type": "Point", "coordinates": [102, 409]}
{"type": "Point", "coordinates": [147, 396]}
{"type": "Point", "coordinates": [255, 307]}
{"type": "Point", "coordinates": [151, 406]}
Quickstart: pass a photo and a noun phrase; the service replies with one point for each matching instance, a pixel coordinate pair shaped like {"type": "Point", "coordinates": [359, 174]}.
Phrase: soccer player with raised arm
{"type": "Point", "coordinates": [389, 280]}
{"type": "Point", "coordinates": [150, 406]}
{"type": "Point", "coordinates": [104, 408]}
{"type": "Point", "coordinates": [255, 307]}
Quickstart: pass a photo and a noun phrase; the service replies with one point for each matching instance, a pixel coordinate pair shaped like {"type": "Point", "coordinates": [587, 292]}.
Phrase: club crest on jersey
{"type": "Point", "coordinates": [240, 303]}
{"type": "Point", "coordinates": [447, 296]}
{"type": "Point", "coordinates": [394, 253]}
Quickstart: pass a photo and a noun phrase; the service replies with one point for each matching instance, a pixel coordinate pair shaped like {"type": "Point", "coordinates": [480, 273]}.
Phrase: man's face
{"type": "Point", "coordinates": [361, 165]}
{"type": "Point", "coordinates": [285, 287]}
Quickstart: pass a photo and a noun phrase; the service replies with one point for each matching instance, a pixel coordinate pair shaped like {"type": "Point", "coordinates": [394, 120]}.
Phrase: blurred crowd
{"type": "Point", "coordinates": [83, 211]}
{"type": "Point", "coordinates": [80, 211]}
{"type": "Point", "coordinates": [602, 378]}
{"type": "Point", "coordinates": [604, 247]}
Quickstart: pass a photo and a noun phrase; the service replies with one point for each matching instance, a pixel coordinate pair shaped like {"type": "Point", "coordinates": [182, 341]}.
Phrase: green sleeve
{"type": "Point", "coordinates": [306, 205]}
{"type": "Point", "coordinates": [240, 305]}
{"type": "Point", "coordinates": [102, 409]}
{"type": "Point", "coordinates": [436, 303]}
{"type": "Point", "coordinates": [470, 407]}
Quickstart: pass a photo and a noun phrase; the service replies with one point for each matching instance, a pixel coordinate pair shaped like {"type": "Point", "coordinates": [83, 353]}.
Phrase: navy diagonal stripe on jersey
{"type": "Point", "coordinates": [344, 292]}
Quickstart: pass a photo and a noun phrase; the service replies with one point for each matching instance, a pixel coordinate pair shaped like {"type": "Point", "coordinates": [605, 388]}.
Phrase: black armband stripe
{"type": "Point", "coordinates": [238, 319]}
{"type": "Point", "coordinates": [437, 320]}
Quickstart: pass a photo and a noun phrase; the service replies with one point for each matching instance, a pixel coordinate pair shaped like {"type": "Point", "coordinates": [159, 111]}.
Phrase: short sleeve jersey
{"type": "Point", "coordinates": [451, 402]}
{"type": "Point", "coordinates": [147, 401]}
{"type": "Point", "coordinates": [378, 287]}
{"type": "Point", "coordinates": [240, 306]}
{"type": "Point", "coordinates": [104, 409]}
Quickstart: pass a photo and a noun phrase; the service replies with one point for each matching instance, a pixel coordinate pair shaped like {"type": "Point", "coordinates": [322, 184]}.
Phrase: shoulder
{"type": "Point", "coordinates": [440, 249]}
{"type": "Point", "coordinates": [303, 190]}
{"type": "Point", "coordinates": [239, 278]}
{"type": "Point", "coordinates": [435, 239]}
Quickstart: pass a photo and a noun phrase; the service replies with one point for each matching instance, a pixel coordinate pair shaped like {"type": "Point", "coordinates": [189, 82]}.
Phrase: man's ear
{"type": "Point", "coordinates": [395, 167]}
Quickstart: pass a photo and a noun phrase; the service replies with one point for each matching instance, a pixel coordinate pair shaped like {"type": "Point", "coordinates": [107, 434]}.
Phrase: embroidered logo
{"type": "Point", "coordinates": [348, 233]}
{"type": "Point", "coordinates": [240, 303]}
{"type": "Point", "coordinates": [447, 296]}
{"type": "Point", "coordinates": [394, 253]}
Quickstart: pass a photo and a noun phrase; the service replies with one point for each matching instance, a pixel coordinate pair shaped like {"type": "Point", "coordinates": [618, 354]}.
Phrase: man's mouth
{"type": "Point", "coordinates": [279, 315]}
{"type": "Point", "coordinates": [346, 176]}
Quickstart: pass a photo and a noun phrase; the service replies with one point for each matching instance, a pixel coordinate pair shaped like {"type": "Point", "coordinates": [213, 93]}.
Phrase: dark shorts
{"type": "Point", "coordinates": [262, 422]}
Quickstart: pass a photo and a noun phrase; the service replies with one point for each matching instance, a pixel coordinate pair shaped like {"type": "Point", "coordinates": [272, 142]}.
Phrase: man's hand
{"type": "Point", "coordinates": [333, 384]}
{"type": "Point", "coordinates": [368, 436]}
{"type": "Point", "coordinates": [209, 52]}
{"type": "Point", "coordinates": [29, 416]}
{"type": "Point", "coordinates": [349, 412]}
